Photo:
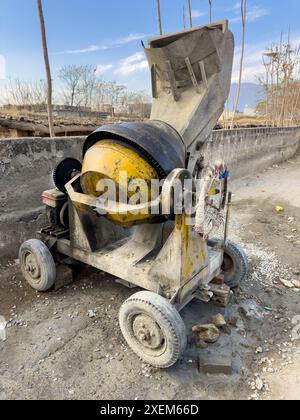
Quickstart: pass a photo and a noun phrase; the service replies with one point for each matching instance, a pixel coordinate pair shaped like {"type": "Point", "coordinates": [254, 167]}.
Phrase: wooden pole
{"type": "Point", "coordinates": [190, 13]}
{"type": "Point", "coordinates": [210, 11]}
{"type": "Point", "coordinates": [159, 17]}
{"type": "Point", "coordinates": [244, 19]}
{"type": "Point", "coordinates": [47, 67]}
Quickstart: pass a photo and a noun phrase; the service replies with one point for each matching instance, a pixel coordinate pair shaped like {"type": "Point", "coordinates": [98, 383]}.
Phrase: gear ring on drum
{"type": "Point", "coordinates": [64, 172]}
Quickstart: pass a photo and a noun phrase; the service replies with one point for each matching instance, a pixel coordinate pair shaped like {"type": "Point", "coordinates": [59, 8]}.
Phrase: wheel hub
{"type": "Point", "coordinates": [147, 332]}
{"type": "Point", "coordinates": [31, 266]}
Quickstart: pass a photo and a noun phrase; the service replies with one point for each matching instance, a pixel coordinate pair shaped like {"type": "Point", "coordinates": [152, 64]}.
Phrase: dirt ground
{"type": "Point", "coordinates": [54, 350]}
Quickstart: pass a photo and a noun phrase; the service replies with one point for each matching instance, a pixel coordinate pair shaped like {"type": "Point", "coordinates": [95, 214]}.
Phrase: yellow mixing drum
{"type": "Point", "coordinates": [121, 161]}
{"type": "Point", "coordinates": [118, 173]}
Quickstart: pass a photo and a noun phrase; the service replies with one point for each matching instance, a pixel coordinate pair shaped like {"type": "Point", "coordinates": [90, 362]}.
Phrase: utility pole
{"type": "Point", "coordinates": [244, 20]}
{"type": "Point", "coordinates": [159, 17]}
{"type": "Point", "coordinates": [210, 10]}
{"type": "Point", "coordinates": [190, 13]}
{"type": "Point", "coordinates": [47, 67]}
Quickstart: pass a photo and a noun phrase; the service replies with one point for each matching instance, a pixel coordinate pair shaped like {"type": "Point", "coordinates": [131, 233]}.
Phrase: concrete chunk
{"type": "Point", "coordinates": [215, 364]}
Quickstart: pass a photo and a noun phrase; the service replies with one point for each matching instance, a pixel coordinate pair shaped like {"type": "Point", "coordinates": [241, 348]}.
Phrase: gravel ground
{"type": "Point", "coordinates": [67, 344]}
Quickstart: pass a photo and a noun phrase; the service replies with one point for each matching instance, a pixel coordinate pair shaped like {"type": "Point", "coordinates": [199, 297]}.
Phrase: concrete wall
{"type": "Point", "coordinates": [251, 150]}
{"type": "Point", "coordinates": [26, 166]}
{"type": "Point", "coordinates": [25, 172]}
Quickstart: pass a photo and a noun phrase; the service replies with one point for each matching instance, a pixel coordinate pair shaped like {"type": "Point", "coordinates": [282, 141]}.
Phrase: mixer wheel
{"type": "Point", "coordinates": [153, 329]}
{"type": "Point", "coordinates": [37, 265]}
{"type": "Point", "coordinates": [235, 264]}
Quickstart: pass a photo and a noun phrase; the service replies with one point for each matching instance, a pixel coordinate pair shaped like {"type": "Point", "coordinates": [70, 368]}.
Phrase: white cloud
{"type": "Point", "coordinates": [253, 13]}
{"type": "Point", "coordinates": [2, 67]}
{"type": "Point", "coordinates": [132, 64]}
{"type": "Point", "coordinates": [196, 14]}
{"type": "Point", "coordinates": [101, 69]}
{"type": "Point", "coordinates": [237, 5]}
{"type": "Point", "coordinates": [129, 38]}
{"type": "Point", "coordinates": [256, 13]}
{"type": "Point", "coordinates": [253, 65]}
{"type": "Point", "coordinates": [89, 49]}
{"type": "Point", "coordinates": [113, 44]}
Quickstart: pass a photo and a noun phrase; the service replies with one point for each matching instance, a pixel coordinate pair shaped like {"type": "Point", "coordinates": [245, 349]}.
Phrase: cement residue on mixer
{"type": "Point", "coordinates": [54, 349]}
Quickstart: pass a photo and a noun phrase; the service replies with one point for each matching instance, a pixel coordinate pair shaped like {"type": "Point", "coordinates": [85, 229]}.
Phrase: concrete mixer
{"type": "Point", "coordinates": [138, 205]}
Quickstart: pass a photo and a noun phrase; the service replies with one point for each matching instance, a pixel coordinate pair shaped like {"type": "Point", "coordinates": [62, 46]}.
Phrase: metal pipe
{"type": "Point", "coordinates": [227, 217]}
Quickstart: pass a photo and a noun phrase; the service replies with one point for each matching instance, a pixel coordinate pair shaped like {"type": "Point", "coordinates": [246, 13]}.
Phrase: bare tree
{"type": "Point", "coordinates": [244, 19]}
{"type": "Point", "coordinates": [24, 93]}
{"type": "Point", "coordinates": [99, 95]}
{"type": "Point", "coordinates": [281, 84]}
{"type": "Point", "coordinates": [159, 16]}
{"type": "Point", "coordinates": [88, 85]}
{"type": "Point", "coordinates": [70, 76]}
{"type": "Point", "coordinates": [137, 104]}
{"type": "Point", "coordinates": [267, 66]}
{"type": "Point", "coordinates": [210, 10]}
{"type": "Point", "coordinates": [114, 94]}
{"type": "Point", "coordinates": [47, 67]}
{"type": "Point", "coordinates": [78, 84]}
{"type": "Point", "coordinates": [190, 13]}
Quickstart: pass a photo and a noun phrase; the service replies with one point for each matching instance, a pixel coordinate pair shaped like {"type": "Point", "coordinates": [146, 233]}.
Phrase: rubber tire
{"type": "Point", "coordinates": [235, 276]}
{"type": "Point", "coordinates": [45, 261]}
{"type": "Point", "coordinates": [168, 319]}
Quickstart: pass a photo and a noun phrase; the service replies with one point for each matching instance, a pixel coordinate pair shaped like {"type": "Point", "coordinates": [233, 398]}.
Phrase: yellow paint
{"type": "Point", "coordinates": [193, 250]}
{"type": "Point", "coordinates": [212, 192]}
{"type": "Point", "coordinates": [279, 209]}
{"type": "Point", "coordinates": [130, 174]}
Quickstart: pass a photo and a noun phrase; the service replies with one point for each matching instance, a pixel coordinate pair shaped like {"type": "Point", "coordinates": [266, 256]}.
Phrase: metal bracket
{"type": "Point", "coordinates": [172, 80]}
{"type": "Point", "coordinates": [229, 201]}
{"type": "Point", "coordinates": [192, 74]}
{"type": "Point", "coordinates": [203, 73]}
{"type": "Point", "coordinates": [154, 81]}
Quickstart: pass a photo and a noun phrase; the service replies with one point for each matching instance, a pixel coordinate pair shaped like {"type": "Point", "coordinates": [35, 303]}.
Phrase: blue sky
{"type": "Point", "coordinates": [107, 33]}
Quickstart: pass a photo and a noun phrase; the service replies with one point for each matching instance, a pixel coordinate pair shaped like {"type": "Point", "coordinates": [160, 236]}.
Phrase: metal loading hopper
{"type": "Point", "coordinates": [191, 77]}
